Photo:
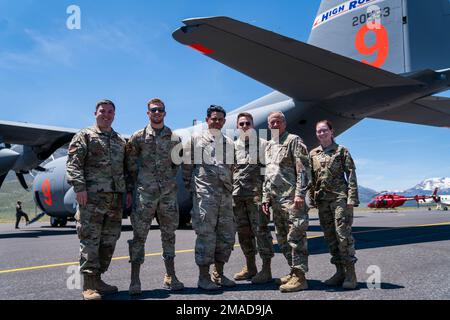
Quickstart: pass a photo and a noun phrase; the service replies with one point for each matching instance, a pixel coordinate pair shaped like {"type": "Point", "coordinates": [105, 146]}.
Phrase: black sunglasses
{"type": "Point", "coordinates": [153, 110]}
{"type": "Point", "coordinates": [241, 124]}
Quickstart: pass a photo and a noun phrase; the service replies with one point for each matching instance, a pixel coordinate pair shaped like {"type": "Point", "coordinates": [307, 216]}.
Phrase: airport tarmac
{"type": "Point", "coordinates": [410, 249]}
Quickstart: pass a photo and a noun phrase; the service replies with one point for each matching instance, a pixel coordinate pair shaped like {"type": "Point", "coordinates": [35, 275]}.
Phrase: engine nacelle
{"type": "Point", "coordinates": [51, 191]}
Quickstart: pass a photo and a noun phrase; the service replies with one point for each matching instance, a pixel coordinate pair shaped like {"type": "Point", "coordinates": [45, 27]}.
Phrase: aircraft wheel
{"type": "Point", "coordinates": [429, 209]}
{"type": "Point", "coordinates": [445, 208]}
{"type": "Point", "coordinates": [62, 222]}
{"type": "Point", "coordinates": [185, 219]}
{"type": "Point", "coordinates": [54, 222]}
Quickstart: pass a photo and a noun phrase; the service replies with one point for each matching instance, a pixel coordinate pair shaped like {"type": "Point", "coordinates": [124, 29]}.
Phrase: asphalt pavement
{"type": "Point", "coordinates": [401, 255]}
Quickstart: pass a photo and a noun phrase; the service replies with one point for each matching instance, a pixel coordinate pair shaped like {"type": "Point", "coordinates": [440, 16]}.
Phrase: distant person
{"type": "Point", "coordinates": [20, 214]}
{"type": "Point", "coordinates": [335, 193]}
{"type": "Point", "coordinates": [95, 169]}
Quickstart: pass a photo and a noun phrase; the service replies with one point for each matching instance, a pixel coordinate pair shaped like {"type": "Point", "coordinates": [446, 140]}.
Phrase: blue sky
{"type": "Point", "coordinates": [125, 52]}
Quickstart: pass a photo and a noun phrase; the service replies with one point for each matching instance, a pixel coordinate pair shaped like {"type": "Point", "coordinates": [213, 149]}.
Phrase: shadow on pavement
{"type": "Point", "coordinates": [379, 237]}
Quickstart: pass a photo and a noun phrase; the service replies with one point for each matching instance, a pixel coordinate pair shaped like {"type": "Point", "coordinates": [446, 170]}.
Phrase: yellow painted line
{"type": "Point", "coordinates": [48, 266]}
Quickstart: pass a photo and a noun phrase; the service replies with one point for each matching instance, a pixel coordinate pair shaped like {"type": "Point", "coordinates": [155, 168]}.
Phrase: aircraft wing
{"type": "Point", "coordinates": [297, 69]}
{"type": "Point", "coordinates": [431, 111]}
{"type": "Point", "coordinates": [46, 138]}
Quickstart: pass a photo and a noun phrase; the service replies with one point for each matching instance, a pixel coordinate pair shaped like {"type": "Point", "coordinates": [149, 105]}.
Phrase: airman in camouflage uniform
{"type": "Point", "coordinates": [95, 169]}
{"type": "Point", "coordinates": [252, 224]}
{"type": "Point", "coordinates": [335, 193]}
{"type": "Point", "coordinates": [151, 170]}
{"type": "Point", "coordinates": [208, 174]}
{"type": "Point", "coordinates": [288, 175]}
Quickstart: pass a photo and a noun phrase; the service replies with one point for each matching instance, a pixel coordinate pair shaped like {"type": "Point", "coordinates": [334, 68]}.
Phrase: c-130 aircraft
{"type": "Point", "coordinates": [379, 59]}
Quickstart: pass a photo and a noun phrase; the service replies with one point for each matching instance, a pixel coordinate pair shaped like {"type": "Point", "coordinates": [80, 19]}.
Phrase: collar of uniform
{"type": "Point", "coordinates": [165, 131]}
{"type": "Point", "coordinates": [208, 135]}
{"type": "Point", "coordinates": [96, 129]}
{"type": "Point", "coordinates": [332, 147]}
{"type": "Point", "coordinates": [283, 137]}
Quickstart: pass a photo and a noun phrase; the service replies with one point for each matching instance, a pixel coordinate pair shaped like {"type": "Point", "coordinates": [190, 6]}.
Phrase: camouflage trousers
{"type": "Point", "coordinates": [252, 227]}
{"type": "Point", "coordinates": [149, 203]}
{"type": "Point", "coordinates": [99, 224]}
{"type": "Point", "coordinates": [291, 225]}
{"type": "Point", "coordinates": [336, 222]}
{"type": "Point", "coordinates": [214, 225]}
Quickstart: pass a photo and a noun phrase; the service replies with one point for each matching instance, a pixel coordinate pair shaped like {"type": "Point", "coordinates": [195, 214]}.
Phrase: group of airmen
{"type": "Point", "coordinates": [235, 187]}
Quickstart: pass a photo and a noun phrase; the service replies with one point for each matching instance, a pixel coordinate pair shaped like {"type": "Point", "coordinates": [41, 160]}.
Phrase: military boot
{"type": "Point", "coordinates": [350, 281]}
{"type": "Point", "coordinates": [135, 285]}
{"type": "Point", "coordinates": [283, 280]}
{"type": "Point", "coordinates": [296, 283]}
{"type": "Point", "coordinates": [265, 275]}
{"type": "Point", "coordinates": [219, 278]}
{"type": "Point", "coordinates": [248, 271]}
{"type": "Point", "coordinates": [89, 290]}
{"type": "Point", "coordinates": [102, 287]}
{"type": "Point", "coordinates": [204, 279]}
{"type": "Point", "coordinates": [170, 279]}
{"type": "Point", "coordinates": [338, 278]}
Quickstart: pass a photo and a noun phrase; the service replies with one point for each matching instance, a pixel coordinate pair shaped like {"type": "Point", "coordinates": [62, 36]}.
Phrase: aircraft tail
{"type": "Point", "coordinates": [396, 35]}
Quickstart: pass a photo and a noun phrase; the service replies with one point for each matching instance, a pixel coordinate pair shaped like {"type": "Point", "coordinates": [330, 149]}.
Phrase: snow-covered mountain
{"type": "Point", "coordinates": [427, 186]}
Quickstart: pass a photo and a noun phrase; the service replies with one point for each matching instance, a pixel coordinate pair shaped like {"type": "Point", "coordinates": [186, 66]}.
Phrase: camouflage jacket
{"type": "Point", "coordinates": [248, 173]}
{"type": "Point", "coordinates": [149, 158]}
{"type": "Point", "coordinates": [288, 170]}
{"type": "Point", "coordinates": [95, 161]}
{"type": "Point", "coordinates": [333, 174]}
{"type": "Point", "coordinates": [209, 162]}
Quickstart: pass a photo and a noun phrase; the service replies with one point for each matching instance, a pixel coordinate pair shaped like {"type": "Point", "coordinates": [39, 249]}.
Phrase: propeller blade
{"type": "Point", "coordinates": [40, 169]}
{"type": "Point", "coordinates": [39, 216]}
{"type": "Point", "coordinates": [2, 178]}
{"type": "Point", "coordinates": [22, 181]}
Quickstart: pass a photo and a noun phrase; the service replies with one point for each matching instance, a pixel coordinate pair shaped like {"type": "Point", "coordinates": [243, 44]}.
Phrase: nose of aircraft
{"type": "Point", "coordinates": [7, 160]}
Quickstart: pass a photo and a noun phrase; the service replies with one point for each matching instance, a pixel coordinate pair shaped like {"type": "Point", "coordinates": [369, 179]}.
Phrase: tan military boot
{"type": "Point", "coordinates": [350, 281]}
{"type": "Point", "coordinates": [170, 279]}
{"type": "Point", "coordinates": [219, 278]}
{"type": "Point", "coordinates": [248, 271]}
{"type": "Point", "coordinates": [283, 280]}
{"type": "Point", "coordinates": [265, 275]}
{"type": "Point", "coordinates": [135, 285]}
{"type": "Point", "coordinates": [204, 279]}
{"type": "Point", "coordinates": [89, 291]}
{"type": "Point", "coordinates": [104, 288]}
{"type": "Point", "coordinates": [296, 283]}
{"type": "Point", "coordinates": [338, 278]}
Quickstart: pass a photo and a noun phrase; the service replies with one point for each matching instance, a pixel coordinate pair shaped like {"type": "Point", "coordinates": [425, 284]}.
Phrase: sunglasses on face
{"type": "Point", "coordinates": [241, 124]}
{"type": "Point", "coordinates": [161, 110]}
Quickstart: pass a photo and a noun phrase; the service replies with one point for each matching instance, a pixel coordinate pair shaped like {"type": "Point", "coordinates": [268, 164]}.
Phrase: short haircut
{"type": "Point", "coordinates": [155, 101]}
{"type": "Point", "coordinates": [244, 114]}
{"type": "Point", "coordinates": [327, 122]}
{"type": "Point", "coordinates": [104, 101]}
{"type": "Point", "coordinates": [279, 113]}
{"type": "Point", "coordinates": [214, 108]}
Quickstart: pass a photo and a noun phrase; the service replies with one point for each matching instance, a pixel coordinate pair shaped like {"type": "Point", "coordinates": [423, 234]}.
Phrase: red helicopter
{"type": "Point", "coordinates": [393, 200]}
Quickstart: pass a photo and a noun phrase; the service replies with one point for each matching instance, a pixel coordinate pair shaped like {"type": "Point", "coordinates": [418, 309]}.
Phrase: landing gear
{"type": "Point", "coordinates": [445, 208]}
{"type": "Point", "coordinates": [58, 222]}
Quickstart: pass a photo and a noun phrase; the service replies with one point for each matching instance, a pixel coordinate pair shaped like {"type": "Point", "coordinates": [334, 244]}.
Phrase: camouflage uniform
{"type": "Point", "coordinates": [247, 193]}
{"type": "Point", "coordinates": [95, 164]}
{"type": "Point", "coordinates": [209, 177]}
{"type": "Point", "coordinates": [287, 176]}
{"type": "Point", "coordinates": [335, 186]}
{"type": "Point", "coordinates": [151, 170]}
